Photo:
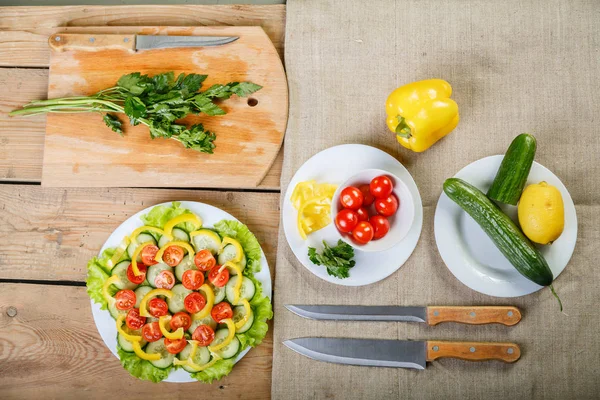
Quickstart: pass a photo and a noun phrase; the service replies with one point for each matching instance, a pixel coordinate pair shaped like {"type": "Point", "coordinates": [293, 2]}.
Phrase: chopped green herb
{"type": "Point", "coordinates": [338, 260]}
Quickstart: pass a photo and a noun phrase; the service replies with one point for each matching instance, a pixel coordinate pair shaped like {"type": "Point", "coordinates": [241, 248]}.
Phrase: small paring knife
{"type": "Point", "coordinates": [399, 353]}
{"type": "Point", "coordinates": [433, 315]}
{"type": "Point", "coordinates": [75, 41]}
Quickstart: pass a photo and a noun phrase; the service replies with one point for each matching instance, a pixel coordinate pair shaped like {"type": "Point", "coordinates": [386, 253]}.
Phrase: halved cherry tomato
{"type": "Point", "coordinates": [387, 206]}
{"type": "Point", "coordinates": [218, 276]}
{"type": "Point", "coordinates": [363, 214]}
{"type": "Point", "coordinates": [180, 320]}
{"type": "Point", "coordinates": [148, 254]}
{"type": "Point", "coordinates": [204, 260]}
{"type": "Point", "coordinates": [351, 198]}
{"type": "Point", "coordinates": [221, 311]}
{"type": "Point", "coordinates": [363, 233]}
{"type": "Point", "coordinates": [134, 320]}
{"type": "Point", "coordinates": [164, 280]}
{"type": "Point", "coordinates": [151, 332]}
{"type": "Point", "coordinates": [175, 346]}
{"type": "Point", "coordinates": [346, 220]}
{"type": "Point", "coordinates": [192, 279]}
{"type": "Point", "coordinates": [194, 302]}
{"type": "Point", "coordinates": [368, 197]}
{"type": "Point", "coordinates": [204, 334]}
{"type": "Point", "coordinates": [125, 300]}
{"type": "Point", "coordinates": [137, 279]}
{"type": "Point", "coordinates": [381, 186]}
{"type": "Point", "coordinates": [381, 226]}
{"type": "Point", "coordinates": [158, 307]}
{"type": "Point", "coordinates": [172, 255]}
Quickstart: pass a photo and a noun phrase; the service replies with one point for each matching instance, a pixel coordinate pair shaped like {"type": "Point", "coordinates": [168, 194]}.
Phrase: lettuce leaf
{"type": "Point", "coordinates": [160, 215]}
{"type": "Point", "coordinates": [141, 369]}
{"type": "Point", "coordinates": [97, 273]}
{"type": "Point", "coordinates": [220, 369]}
{"type": "Point", "coordinates": [263, 311]}
{"type": "Point", "coordinates": [240, 232]}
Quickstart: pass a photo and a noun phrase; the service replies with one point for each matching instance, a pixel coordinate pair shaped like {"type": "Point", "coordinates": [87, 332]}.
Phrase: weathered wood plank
{"type": "Point", "coordinates": [49, 234]}
{"type": "Point", "coordinates": [51, 349]}
{"type": "Point", "coordinates": [24, 31]}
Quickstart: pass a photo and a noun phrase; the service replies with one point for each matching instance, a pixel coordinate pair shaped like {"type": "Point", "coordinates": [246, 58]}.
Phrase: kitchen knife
{"type": "Point", "coordinates": [399, 353]}
{"type": "Point", "coordinates": [432, 315]}
{"type": "Point", "coordinates": [69, 41]}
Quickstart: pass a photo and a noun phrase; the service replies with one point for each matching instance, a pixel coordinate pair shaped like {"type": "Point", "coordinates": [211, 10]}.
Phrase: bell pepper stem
{"type": "Point", "coordinates": [402, 129]}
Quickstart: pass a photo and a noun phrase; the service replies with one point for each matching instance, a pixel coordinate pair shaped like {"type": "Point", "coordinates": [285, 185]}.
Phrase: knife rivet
{"type": "Point", "coordinates": [510, 314]}
{"type": "Point", "coordinates": [472, 349]}
{"type": "Point", "coordinates": [126, 40]}
{"type": "Point", "coordinates": [57, 38]}
{"type": "Point", "coordinates": [435, 348]}
{"type": "Point", "coordinates": [92, 40]}
{"type": "Point", "coordinates": [510, 351]}
{"type": "Point", "coordinates": [472, 313]}
{"type": "Point", "coordinates": [436, 313]}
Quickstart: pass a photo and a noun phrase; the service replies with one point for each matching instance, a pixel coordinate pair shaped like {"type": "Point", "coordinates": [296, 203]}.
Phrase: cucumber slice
{"type": "Point", "coordinates": [121, 271]}
{"type": "Point", "coordinates": [178, 234]}
{"type": "Point", "coordinates": [166, 358]}
{"type": "Point", "coordinates": [154, 270]}
{"type": "Point", "coordinates": [113, 310]}
{"type": "Point", "coordinates": [229, 253]}
{"type": "Point", "coordinates": [176, 301]}
{"type": "Point", "coordinates": [140, 292]}
{"type": "Point", "coordinates": [141, 238]}
{"type": "Point", "coordinates": [239, 312]}
{"type": "Point", "coordinates": [246, 291]}
{"type": "Point", "coordinates": [208, 240]}
{"type": "Point", "coordinates": [231, 349]}
{"type": "Point", "coordinates": [185, 264]}
{"type": "Point", "coordinates": [126, 344]}
{"type": "Point", "coordinates": [204, 321]}
{"type": "Point", "coordinates": [201, 357]}
{"type": "Point", "coordinates": [219, 293]}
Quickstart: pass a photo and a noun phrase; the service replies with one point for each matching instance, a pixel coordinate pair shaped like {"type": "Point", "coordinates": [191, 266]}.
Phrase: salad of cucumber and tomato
{"type": "Point", "coordinates": [182, 295]}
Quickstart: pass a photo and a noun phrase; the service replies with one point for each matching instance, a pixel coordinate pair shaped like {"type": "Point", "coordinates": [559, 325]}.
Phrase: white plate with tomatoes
{"type": "Point", "coordinates": [336, 165]}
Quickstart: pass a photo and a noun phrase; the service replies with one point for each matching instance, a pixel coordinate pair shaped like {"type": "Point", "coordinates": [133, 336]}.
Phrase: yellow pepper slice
{"type": "Point", "coordinates": [127, 336]}
{"type": "Point", "coordinates": [162, 321]}
{"type": "Point", "coordinates": [248, 309]}
{"type": "Point", "coordinates": [146, 228]}
{"type": "Point", "coordinates": [182, 218]}
{"type": "Point", "coordinates": [210, 301]}
{"type": "Point", "coordinates": [228, 339]}
{"type": "Point", "coordinates": [142, 354]}
{"type": "Point", "coordinates": [110, 281]}
{"type": "Point", "coordinates": [151, 294]}
{"type": "Point", "coordinates": [161, 251]}
{"type": "Point", "coordinates": [238, 248]}
{"type": "Point", "coordinates": [191, 364]}
{"type": "Point", "coordinates": [238, 284]}
{"type": "Point", "coordinates": [119, 251]}
{"type": "Point", "coordinates": [318, 217]}
{"type": "Point", "coordinates": [134, 267]}
{"type": "Point", "coordinates": [207, 232]}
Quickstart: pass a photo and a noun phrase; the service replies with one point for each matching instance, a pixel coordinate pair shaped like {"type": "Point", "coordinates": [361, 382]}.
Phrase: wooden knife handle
{"type": "Point", "coordinates": [474, 315]}
{"type": "Point", "coordinates": [90, 41]}
{"type": "Point", "coordinates": [473, 351]}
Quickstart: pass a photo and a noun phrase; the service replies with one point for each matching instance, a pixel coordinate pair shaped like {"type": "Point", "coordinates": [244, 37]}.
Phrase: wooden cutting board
{"type": "Point", "coordinates": [81, 151]}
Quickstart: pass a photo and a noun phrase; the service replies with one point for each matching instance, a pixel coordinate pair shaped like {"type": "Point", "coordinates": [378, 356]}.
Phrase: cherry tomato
{"type": "Point", "coordinates": [172, 255]}
{"type": "Point", "coordinates": [164, 280]}
{"type": "Point", "coordinates": [368, 197]}
{"type": "Point", "coordinates": [351, 198]}
{"type": "Point", "coordinates": [194, 302]}
{"type": "Point", "coordinates": [148, 254]}
{"type": "Point", "coordinates": [134, 320]}
{"type": "Point", "coordinates": [137, 279]}
{"type": "Point", "coordinates": [387, 207]}
{"type": "Point", "coordinates": [204, 260]}
{"type": "Point", "coordinates": [204, 334]}
{"type": "Point", "coordinates": [218, 276]}
{"type": "Point", "coordinates": [381, 226]}
{"type": "Point", "coordinates": [363, 233]}
{"type": "Point", "coordinates": [151, 332]}
{"type": "Point", "coordinates": [346, 220]}
{"type": "Point", "coordinates": [363, 214]}
{"type": "Point", "coordinates": [158, 307]}
{"type": "Point", "coordinates": [192, 279]}
{"type": "Point", "coordinates": [180, 320]}
{"type": "Point", "coordinates": [381, 187]}
{"type": "Point", "coordinates": [175, 346]}
{"type": "Point", "coordinates": [221, 311]}
{"type": "Point", "coordinates": [125, 300]}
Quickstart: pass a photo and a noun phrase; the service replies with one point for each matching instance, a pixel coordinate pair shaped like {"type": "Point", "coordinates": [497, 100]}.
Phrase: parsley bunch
{"type": "Point", "coordinates": [338, 260]}
{"type": "Point", "coordinates": [156, 102]}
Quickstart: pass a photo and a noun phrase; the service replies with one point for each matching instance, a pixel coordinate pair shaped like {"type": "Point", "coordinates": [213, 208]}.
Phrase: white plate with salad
{"type": "Point", "coordinates": [167, 297]}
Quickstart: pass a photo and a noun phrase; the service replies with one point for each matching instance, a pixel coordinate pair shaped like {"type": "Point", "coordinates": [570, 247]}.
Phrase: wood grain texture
{"type": "Point", "coordinates": [49, 234]}
{"type": "Point", "coordinates": [80, 151]}
{"type": "Point", "coordinates": [55, 351]}
{"type": "Point", "coordinates": [473, 351]}
{"type": "Point", "coordinates": [475, 315]}
{"type": "Point", "coordinates": [24, 31]}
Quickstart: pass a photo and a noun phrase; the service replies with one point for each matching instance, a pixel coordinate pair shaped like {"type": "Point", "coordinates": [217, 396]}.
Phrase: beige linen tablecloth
{"type": "Point", "coordinates": [515, 66]}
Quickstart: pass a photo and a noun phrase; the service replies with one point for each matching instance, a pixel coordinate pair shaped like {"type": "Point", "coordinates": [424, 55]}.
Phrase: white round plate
{"type": "Point", "coordinates": [210, 215]}
{"type": "Point", "coordinates": [472, 256]}
{"type": "Point", "coordinates": [335, 165]}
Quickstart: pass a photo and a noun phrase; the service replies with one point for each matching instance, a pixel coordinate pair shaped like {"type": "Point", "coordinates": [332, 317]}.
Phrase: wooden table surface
{"type": "Point", "coordinates": [49, 345]}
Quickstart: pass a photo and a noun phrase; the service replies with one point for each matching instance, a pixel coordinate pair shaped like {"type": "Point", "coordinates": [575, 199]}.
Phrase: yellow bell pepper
{"type": "Point", "coordinates": [313, 202]}
{"type": "Point", "coordinates": [210, 301]}
{"type": "Point", "coordinates": [238, 284]}
{"type": "Point", "coordinates": [162, 322]}
{"type": "Point", "coordinates": [110, 281]}
{"type": "Point", "coordinates": [127, 336]}
{"type": "Point", "coordinates": [134, 266]}
{"type": "Point", "coordinates": [145, 228]}
{"type": "Point", "coordinates": [238, 248]}
{"type": "Point", "coordinates": [191, 364]}
{"type": "Point", "coordinates": [182, 218]}
{"type": "Point", "coordinates": [137, 349]}
{"type": "Point", "coordinates": [151, 294]}
{"type": "Point", "coordinates": [231, 327]}
{"type": "Point", "coordinates": [240, 324]}
{"type": "Point", "coordinates": [421, 113]}
{"type": "Point", "coordinates": [119, 251]}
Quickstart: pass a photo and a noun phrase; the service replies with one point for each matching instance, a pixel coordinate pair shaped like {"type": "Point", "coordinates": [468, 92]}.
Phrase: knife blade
{"type": "Point", "coordinates": [145, 42]}
{"type": "Point", "coordinates": [432, 315]}
{"type": "Point", "coordinates": [399, 353]}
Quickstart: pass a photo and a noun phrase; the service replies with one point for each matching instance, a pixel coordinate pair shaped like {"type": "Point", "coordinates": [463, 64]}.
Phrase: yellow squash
{"type": "Point", "coordinates": [541, 213]}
